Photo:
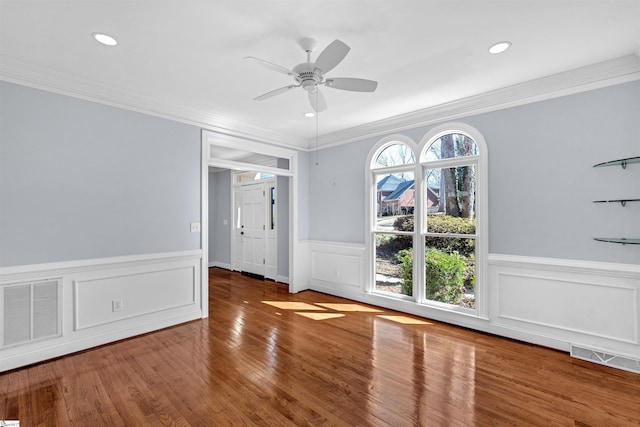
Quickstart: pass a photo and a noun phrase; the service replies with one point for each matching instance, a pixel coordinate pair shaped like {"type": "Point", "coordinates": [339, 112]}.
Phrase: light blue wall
{"type": "Point", "coordinates": [541, 180]}
{"type": "Point", "coordinates": [219, 212]}
{"type": "Point", "coordinates": [336, 192]}
{"type": "Point", "coordinates": [81, 180]}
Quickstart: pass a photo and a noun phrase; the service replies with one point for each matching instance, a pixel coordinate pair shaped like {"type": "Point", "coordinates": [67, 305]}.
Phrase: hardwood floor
{"type": "Point", "coordinates": [265, 357]}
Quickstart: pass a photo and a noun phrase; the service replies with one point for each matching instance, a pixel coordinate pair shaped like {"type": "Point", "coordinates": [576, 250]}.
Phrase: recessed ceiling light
{"type": "Point", "coordinates": [499, 47]}
{"type": "Point", "coordinates": [105, 39]}
{"type": "Point", "coordinates": [309, 115]}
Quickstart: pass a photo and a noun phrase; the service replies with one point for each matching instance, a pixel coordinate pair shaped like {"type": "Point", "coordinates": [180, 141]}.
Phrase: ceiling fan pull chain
{"type": "Point", "coordinates": [317, 119]}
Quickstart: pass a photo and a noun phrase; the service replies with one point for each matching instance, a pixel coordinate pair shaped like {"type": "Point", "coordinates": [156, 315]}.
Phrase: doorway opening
{"type": "Point", "coordinates": [257, 205]}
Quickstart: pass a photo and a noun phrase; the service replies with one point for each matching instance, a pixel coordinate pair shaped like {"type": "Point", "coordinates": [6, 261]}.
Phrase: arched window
{"type": "Point", "coordinates": [429, 219]}
{"type": "Point", "coordinates": [393, 168]}
{"type": "Point", "coordinates": [449, 165]}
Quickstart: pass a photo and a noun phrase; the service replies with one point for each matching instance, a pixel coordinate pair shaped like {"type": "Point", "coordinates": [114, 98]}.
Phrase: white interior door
{"type": "Point", "coordinates": [253, 228]}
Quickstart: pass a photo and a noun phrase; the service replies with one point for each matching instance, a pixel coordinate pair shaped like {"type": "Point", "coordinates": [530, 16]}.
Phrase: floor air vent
{"type": "Point", "coordinates": [608, 359]}
{"type": "Point", "coordinates": [31, 311]}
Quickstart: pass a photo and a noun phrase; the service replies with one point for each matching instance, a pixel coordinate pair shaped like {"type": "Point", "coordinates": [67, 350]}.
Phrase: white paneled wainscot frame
{"type": "Point", "coordinates": [557, 303]}
{"type": "Point", "coordinates": [566, 302]}
{"type": "Point", "coordinates": [107, 299]}
{"type": "Point", "coordinates": [336, 267]}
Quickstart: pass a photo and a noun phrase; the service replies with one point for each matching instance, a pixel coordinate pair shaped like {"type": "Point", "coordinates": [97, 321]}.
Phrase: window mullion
{"type": "Point", "coordinates": [418, 240]}
{"type": "Point", "coordinates": [394, 232]}
{"type": "Point", "coordinates": [449, 163]}
{"type": "Point", "coordinates": [451, 235]}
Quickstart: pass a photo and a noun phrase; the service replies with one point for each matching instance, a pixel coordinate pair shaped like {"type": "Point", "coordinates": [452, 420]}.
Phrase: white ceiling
{"type": "Point", "coordinates": [184, 59]}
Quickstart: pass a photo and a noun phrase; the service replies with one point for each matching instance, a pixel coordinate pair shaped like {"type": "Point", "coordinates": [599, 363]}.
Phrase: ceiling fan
{"type": "Point", "coordinates": [311, 75]}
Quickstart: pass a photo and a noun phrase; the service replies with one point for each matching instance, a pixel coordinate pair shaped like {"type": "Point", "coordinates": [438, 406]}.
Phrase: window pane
{"type": "Point", "coordinates": [449, 146]}
{"type": "Point", "coordinates": [395, 195]}
{"type": "Point", "coordinates": [394, 263]}
{"type": "Point", "coordinates": [450, 270]}
{"type": "Point", "coordinates": [395, 155]}
{"type": "Point", "coordinates": [451, 194]}
{"type": "Point", "coordinates": [252, 176]}
{"type": "Point", "coordinates": [272, 206]}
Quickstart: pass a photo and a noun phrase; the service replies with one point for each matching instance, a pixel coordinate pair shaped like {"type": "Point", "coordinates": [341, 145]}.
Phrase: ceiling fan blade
{"type": "Point", "coordinates": [274, 92]}
{"type": "Point", "coordinates": [331, 56]}
{"type": "Point", "coordinates": [271, 66]}
{"type": "Point", "coordinates": [350, 83]}
{"type": "Point", "coordinates": [318, 103]}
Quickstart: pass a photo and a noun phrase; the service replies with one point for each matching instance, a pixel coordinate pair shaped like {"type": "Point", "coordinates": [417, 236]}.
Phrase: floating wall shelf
{"type": "Point", "coordinates": [623, 202]}
{"type": "Point", "coordinates": [619, 162]}
{"type": "Point", "coordinates": [621, 240]}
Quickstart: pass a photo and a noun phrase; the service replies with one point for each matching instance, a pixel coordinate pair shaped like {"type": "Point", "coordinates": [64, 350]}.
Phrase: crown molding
{"type": "Point", "coordinates": [603, 74]}
{"type": "Point", "coordinates": [36, 76]}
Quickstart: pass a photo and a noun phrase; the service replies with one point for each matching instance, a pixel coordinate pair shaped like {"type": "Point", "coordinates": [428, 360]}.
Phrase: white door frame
{"type": "Point", "coordinates": [209, 139]}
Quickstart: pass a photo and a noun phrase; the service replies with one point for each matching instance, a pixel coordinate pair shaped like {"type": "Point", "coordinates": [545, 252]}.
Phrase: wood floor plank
{"type": "Point", "coordinates": [269, 358]}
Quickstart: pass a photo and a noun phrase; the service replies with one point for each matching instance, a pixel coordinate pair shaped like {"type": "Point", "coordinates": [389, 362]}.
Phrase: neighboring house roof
{"type": "Point", "coordinates": [432, 197]}
{"type": "Point", "coordinates": [390, 183]}
{"type": "Point", "coordinates": [400, 189]}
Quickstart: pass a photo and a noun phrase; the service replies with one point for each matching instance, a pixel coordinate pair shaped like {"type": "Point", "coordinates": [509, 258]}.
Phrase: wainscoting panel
{"type": "Point", "coordinates": [105, 300]}
{"type": "Point", "coordinates": [336, 265]}
{"type": "Point", "coordinates": [584, 303]}
{"type": "Point", "coordinates": [598, 309]}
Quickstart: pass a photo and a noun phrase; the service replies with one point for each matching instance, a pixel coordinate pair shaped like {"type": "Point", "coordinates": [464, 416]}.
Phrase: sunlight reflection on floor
{"type": "Point", "coordinates": [349, 307]}
{"type": "Point", "coordinates": [292, 305]}
{"type": "Point", "coordinates": [406, 320]}
{"type": "Point", "coordinates": [320, 316]}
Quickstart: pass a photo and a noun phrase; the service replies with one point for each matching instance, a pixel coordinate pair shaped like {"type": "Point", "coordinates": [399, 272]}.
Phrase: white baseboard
{"type": "Point", "coordinates": [545, 301]}
{"type": "Point", "coordinates": [48, 350]}
{"type": "Point", "coordinates": [157, 291]}
{"type": "Point", "coordinates": [224, 265]}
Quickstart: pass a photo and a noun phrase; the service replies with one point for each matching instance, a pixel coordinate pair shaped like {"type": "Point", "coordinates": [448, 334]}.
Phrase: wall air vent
{"type": "Point", "coordinates": [31, 311]}
{"type": "Point", "coordinates": [607, 359]}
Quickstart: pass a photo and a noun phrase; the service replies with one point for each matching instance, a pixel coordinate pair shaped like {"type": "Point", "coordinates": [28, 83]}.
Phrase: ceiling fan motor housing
{"type": "Point", "coordinates": [307, 76]}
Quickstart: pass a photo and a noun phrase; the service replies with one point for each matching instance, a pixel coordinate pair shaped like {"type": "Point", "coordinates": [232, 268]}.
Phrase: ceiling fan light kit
{"type": "Point", "coordinates": [499, 47]}
{"type": "Point", "coordinates": [104, 39]}
{"type": "Point", "coordinates": [310, 75]}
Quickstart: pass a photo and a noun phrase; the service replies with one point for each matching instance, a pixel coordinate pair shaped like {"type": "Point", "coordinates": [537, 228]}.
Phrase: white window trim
{"type": "Point", "coordinates": [482, 209]}
{"type": "Point", "coordinates": [370, 198]}
{"type": "Point", "coordinates": [482, 229]}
